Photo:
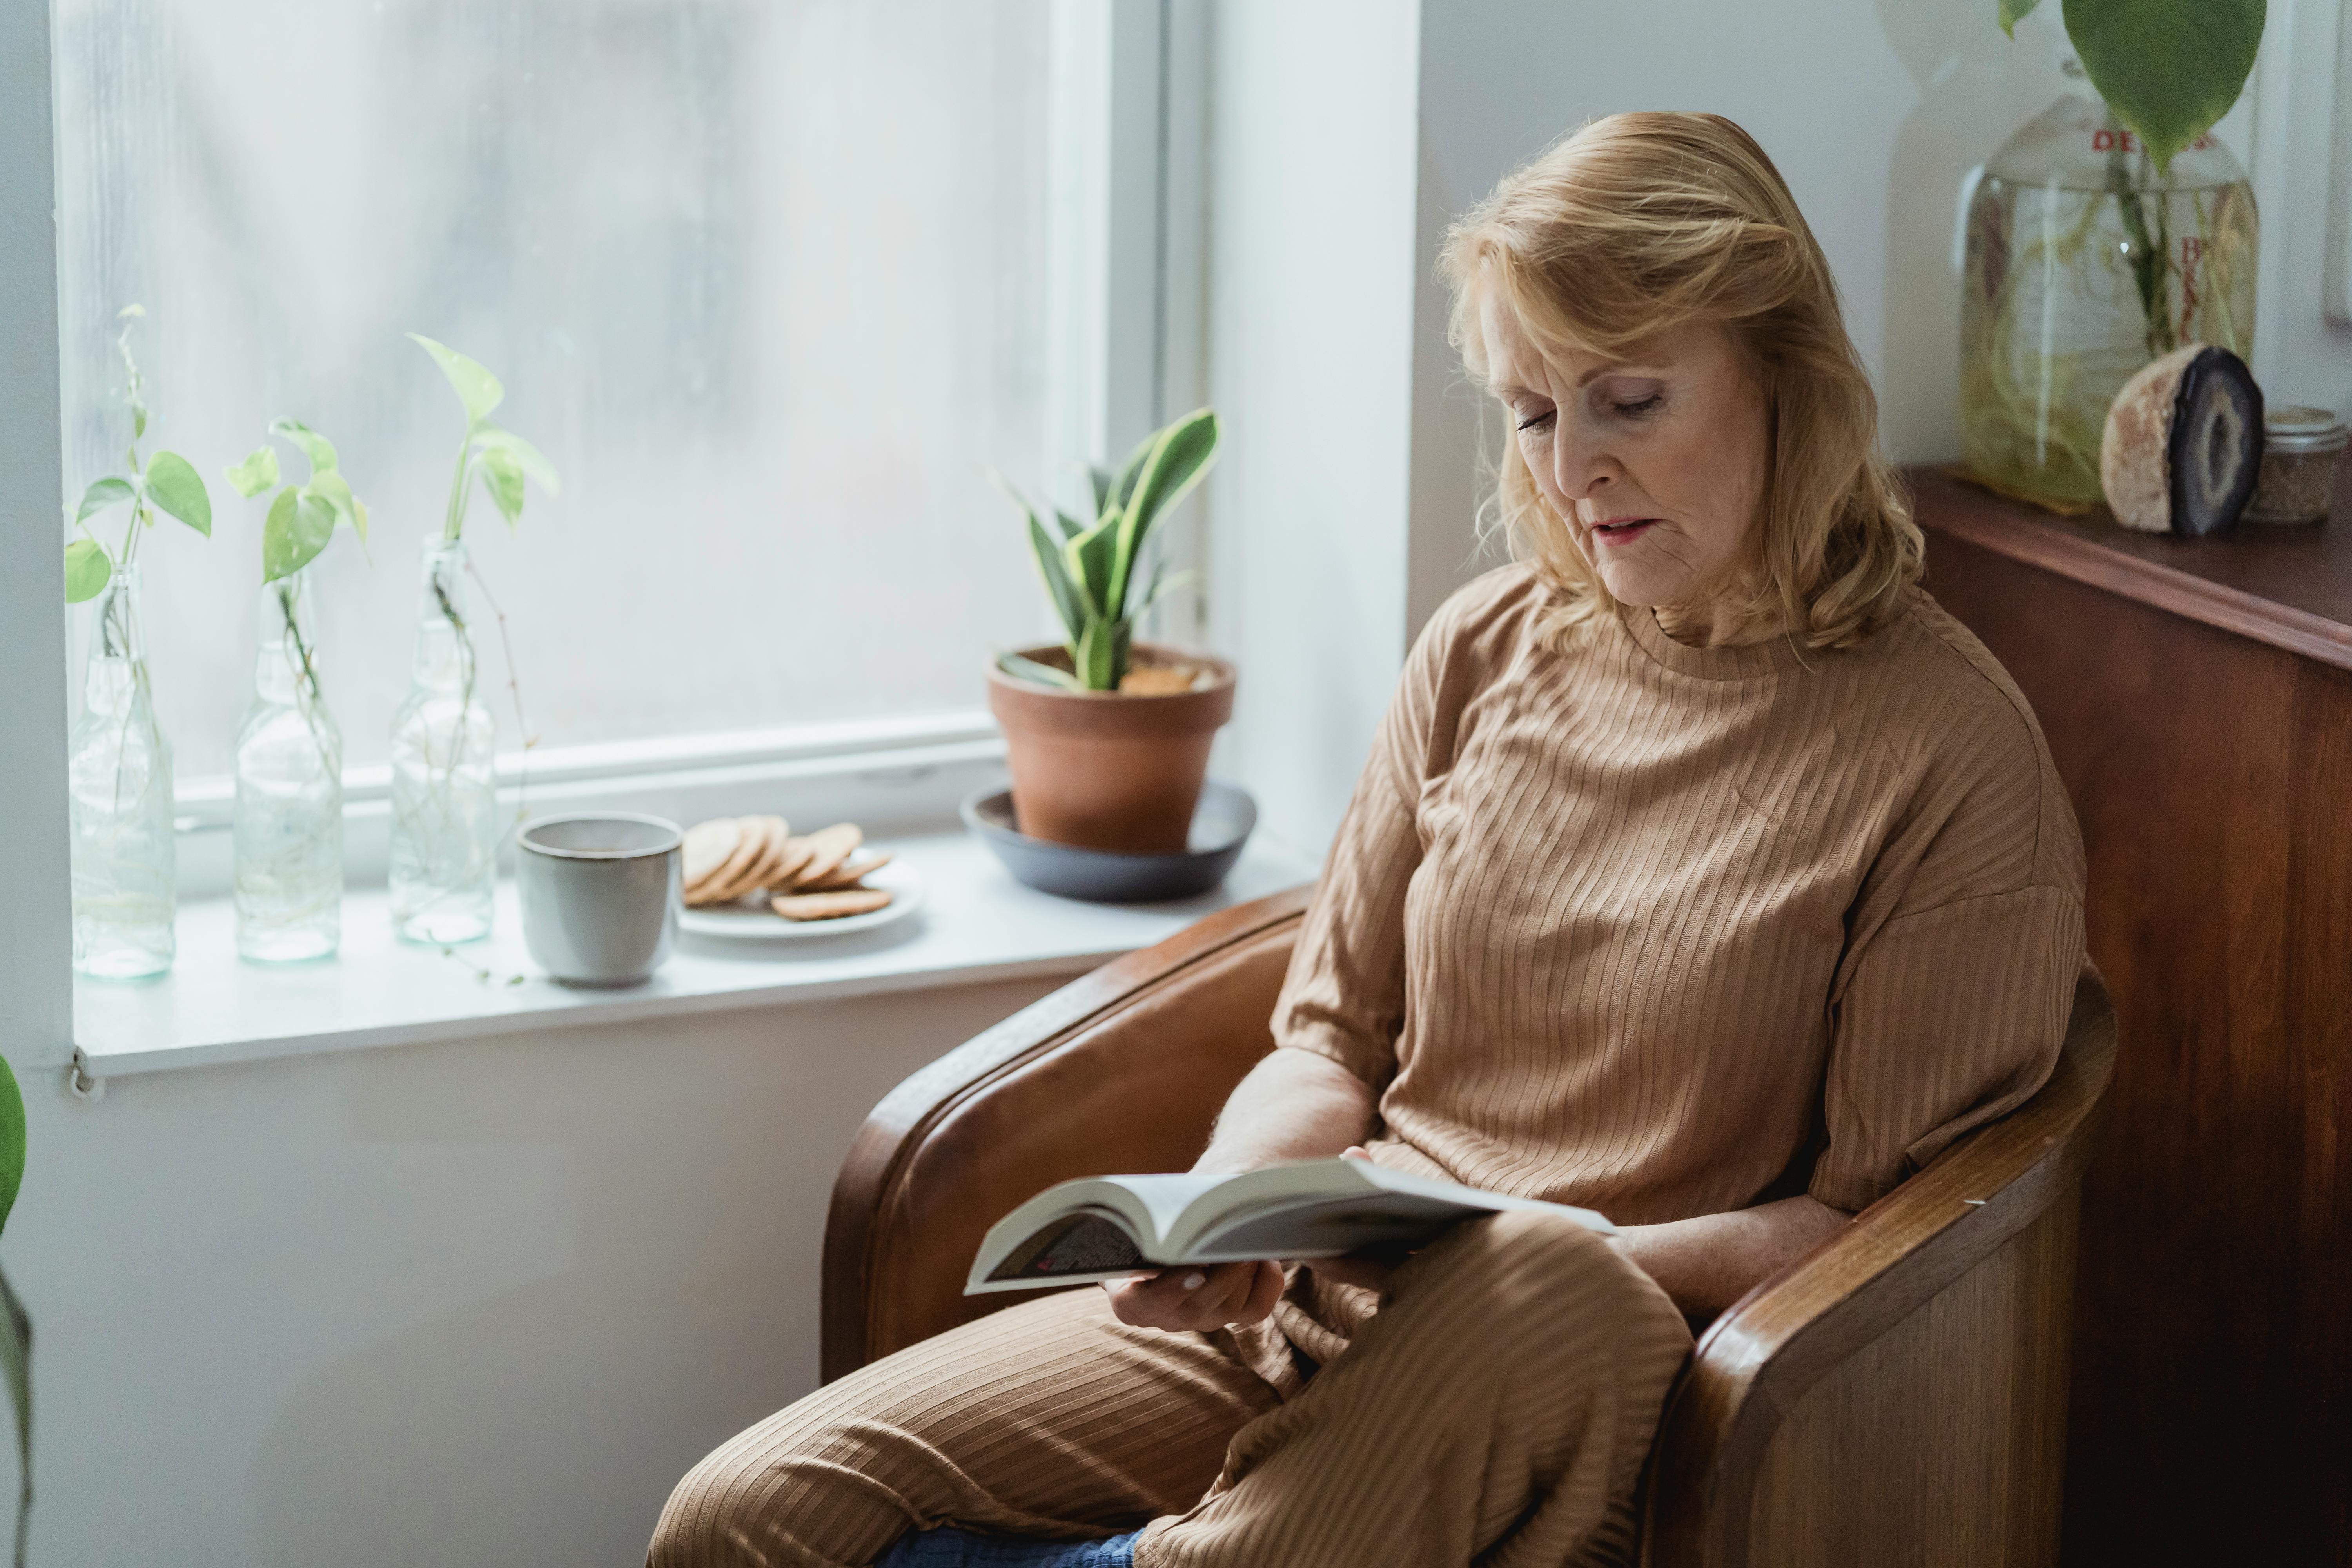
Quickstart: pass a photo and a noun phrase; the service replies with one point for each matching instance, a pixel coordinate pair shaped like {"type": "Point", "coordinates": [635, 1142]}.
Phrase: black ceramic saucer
{"type": "Point", "coordinates": [1220, 826]}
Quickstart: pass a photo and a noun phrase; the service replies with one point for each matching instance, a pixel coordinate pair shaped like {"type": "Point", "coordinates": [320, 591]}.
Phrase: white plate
{"type": "Point", "coordinates": [749, 923]}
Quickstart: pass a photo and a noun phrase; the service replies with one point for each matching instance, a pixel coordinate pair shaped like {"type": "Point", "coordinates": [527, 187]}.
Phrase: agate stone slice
{"type": "Point", "coordinates": [2183, 444]}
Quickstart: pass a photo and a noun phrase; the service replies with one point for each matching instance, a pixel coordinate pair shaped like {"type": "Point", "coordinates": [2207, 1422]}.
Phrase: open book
{"type": "Point", "coordinates": [1106, 1226]}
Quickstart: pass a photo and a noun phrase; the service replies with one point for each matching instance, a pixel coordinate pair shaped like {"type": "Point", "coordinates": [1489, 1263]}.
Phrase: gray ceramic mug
{"type": "Point", "coordinates": [600, 894]}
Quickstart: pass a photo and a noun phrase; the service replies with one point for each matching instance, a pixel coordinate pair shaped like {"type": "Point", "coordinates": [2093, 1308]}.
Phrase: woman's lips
{"type": "Point", "coordinates": [1623, 532]}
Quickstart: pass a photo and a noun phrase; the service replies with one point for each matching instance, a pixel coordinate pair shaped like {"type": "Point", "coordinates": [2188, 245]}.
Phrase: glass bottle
{"type": "Point", "coordinates": [119, 779]}
{"type": "Point", "coordinates": [2082, 266]}
{"type": "Point", "coordinates": [445, 829]}
{"type": "Point", "coordinates": [289, 793]}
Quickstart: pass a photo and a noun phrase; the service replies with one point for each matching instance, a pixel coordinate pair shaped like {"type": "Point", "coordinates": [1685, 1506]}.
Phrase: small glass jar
{"type": "Point", "coordinates": [289, 793]}
{"type": "Point", "coordinates": [119, 767]}
{"type": "Point", "coordinates": [2299, 446]}
{"type": "Point", "coordinates": [445, 798]}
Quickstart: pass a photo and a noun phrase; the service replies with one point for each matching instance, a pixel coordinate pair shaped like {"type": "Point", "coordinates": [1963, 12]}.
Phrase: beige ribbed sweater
{"type": "Point", "coordinates": [1667, 931]}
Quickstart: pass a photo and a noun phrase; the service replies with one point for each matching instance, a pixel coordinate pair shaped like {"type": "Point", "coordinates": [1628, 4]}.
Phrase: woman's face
{"type": "Point", "coordinates": [1657, 461]}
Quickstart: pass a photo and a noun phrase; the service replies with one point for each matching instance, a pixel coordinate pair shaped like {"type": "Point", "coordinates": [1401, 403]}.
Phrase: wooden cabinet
{"type": "Point", "coordinates": [2198, 697]}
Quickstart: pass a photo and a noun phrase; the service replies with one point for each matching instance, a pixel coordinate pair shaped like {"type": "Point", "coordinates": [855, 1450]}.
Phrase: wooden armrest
{"type": "Point", "coordinates": [1823, 1310]}
{"type": "Point", "coordinates": [1123, 1069]}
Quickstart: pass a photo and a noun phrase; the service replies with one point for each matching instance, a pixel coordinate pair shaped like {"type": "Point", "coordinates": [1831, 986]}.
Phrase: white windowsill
{"type": "Point", "coordinates": [976, 924]}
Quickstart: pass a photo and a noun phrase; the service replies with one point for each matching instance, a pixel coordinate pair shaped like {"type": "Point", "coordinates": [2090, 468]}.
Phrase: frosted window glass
{"type": "Point", "coordinates": [765, 279]}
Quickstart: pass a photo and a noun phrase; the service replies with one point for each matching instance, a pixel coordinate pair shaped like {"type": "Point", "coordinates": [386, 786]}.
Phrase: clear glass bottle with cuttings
{"type": "Point", "coordinates": [2083, 264]}
{"type": "Point", "coordinates": [119, 784]}
{"type": "Point", "coordinates": [445, 817]}
{"type": "Point", "coordinates": [289, 792]}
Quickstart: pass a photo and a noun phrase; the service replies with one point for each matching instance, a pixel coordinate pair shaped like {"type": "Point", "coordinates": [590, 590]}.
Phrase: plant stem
{"type": "Point", "coordinates": [454, 522]}
{"type": "Point", "coordinates": [514, 688]}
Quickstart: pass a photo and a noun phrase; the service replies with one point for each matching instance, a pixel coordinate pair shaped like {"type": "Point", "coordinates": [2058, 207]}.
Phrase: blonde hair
{"type": "Point", "coordinates": [1641, 223]}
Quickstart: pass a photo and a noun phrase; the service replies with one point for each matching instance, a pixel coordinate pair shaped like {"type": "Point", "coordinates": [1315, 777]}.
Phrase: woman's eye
{"type": "Point", "coordinates": [1649, 404]}
{"type": "Point", "coordinates": [1537, 421]}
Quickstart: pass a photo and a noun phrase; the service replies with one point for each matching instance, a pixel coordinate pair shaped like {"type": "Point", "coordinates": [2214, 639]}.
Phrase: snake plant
{"type": "Point", "coordinates": [1091, 570]}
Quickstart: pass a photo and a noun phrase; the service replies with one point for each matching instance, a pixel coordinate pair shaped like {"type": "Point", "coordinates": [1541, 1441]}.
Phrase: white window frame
{"type": "Point", "coordinates": [1126, 251]}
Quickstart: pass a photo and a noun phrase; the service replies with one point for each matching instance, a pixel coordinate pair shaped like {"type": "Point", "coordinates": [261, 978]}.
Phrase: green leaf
{"type": "Point", "coordinates": [16, 1362]}
{"type": "Point", "coordinates": [1025, 668]}
{"type": "Point", "coordinates": [330, 487]}
{"type": "Point", "coordinates": [1070, 526]}
{"type": "Point", "coordinates": [2169, 69]}
{"type": "Point", "coordinates": [1091, 555]}
{"type": "Point", "coordinates": [1067, 603]}
{"type": "Point", "coordinates": [1124, 486]}
{"type": "Point", "coordinates": [476, 387]}
{"type": "Point", "coordinates": [521, 453]}
{"type": "Point", "coordinates": [1162, 585]}
{"type": "Point", "coordinates": [104, 493]}
{"type": "Point", "coordinates": [87, 571]}
{"type": "Point", "coordinates": [299, 524]}
{"type": "Point", "coordinates": [1097, 656]}
{"type": "Point", "coordinates": [1180, 457]}
{"type": "Point", "coordinates": [2013, 12]}
{"type": "Point", "coordinates": [12, 1139]}
{"type": "Point", "coordinates": [257, 473]}
{"type": "Point", "coordinates": [1101, 482]}
{"type": "Point", "coordinates": [174, 485]}
{"type": "Point", "coordinates": [315, 447]}
{"type": "Point", "coordinates": [138, 419]}
{"type": "Point", "coordinates": [502, 476]}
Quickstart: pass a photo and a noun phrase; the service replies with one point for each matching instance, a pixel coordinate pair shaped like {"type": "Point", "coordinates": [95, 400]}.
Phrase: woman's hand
{"type": "Point", "coordinates": [1197, 1300]}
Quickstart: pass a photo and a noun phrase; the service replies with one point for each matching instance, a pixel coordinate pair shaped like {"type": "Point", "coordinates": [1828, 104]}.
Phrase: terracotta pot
{"type": "Point", "coordinates": [1109, 770]}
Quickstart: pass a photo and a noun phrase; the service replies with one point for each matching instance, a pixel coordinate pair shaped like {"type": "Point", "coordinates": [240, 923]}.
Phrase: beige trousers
{"type": "Point", "coordinates": [1494, 1406]}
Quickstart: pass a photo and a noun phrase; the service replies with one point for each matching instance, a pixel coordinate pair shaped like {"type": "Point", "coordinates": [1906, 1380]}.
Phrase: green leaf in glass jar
{"type": "Point", "coordinates": [257, 473]}
{"type": "Point", "coordinates": [521, 453]}
{"type": "Point", "coordinates": [476, 387]}
{"type": "Point", "coordinates": [502, 476]}
{"type": "Point", "coordinates": [313, 445]}
{"type": "Point", "coordinates": [336, 491]}
{"type": "Point", "coordinates": [298, 526]}
{"type": "Point", "coordinates": [100, 495]}
{"type": "Point", "coordinates": [2169, 69]}
{"type": "Point", "coordinates": [87, 571]}
{"type": "Point", "coordinates": [173, 484]}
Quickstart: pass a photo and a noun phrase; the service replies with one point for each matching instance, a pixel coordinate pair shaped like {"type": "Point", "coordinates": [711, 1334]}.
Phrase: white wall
{"type": "Point", "coordinates": [35, 1003]}
{"type": "Point", "coordinates": [1311, 174]}
{"type": "Point", "coordinates": [469, 1304]}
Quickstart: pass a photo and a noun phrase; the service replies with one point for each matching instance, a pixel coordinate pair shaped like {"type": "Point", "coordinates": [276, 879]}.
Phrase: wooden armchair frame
{"type": "Point", "coordinates": [1896, 1396]}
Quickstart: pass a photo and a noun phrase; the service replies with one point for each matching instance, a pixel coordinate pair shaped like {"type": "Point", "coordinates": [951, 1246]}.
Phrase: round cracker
{"type": "Point", "coordinates": [830, 906]}
{"type": "Point", "coordinates": [828, 847]}
{"type": "Point", "coordinates": [749, 844]}
{"type": "Point", "coordinates": [708, 845]}
{"type": "Point", "coordinates": [847, 874]}
{"type": "Point", "coordinates": [763, 872]}
{"type": "Point", "coordinates": [764, 837]}
{"type": "Point", "coordinates": [795, 854]}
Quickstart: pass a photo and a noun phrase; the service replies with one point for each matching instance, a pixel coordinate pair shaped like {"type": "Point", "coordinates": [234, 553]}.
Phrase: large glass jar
{"type": "Point", "coordinates": [289, 793]}
{"type": "Point", "coordinates": [445, 815]}
{"type": "Point", "coordinates": [2082, 266]}
{"type": "Point", "coordinates": [119, 781]}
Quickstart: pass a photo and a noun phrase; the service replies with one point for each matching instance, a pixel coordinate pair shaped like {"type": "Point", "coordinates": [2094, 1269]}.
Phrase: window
{"type": "Point", "coordinates": [769, 281]}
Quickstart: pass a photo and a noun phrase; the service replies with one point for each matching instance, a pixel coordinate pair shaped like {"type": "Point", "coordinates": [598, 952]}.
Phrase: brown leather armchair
{"type": "Point", "coordinates": [1897, 1395]}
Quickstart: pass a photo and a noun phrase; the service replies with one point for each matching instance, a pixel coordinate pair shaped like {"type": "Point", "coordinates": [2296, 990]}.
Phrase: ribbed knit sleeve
{"type": "Point", "coordinates": [1952, 1019]}
{"type": "Point", "coordinates": [1951, 1000]}
{"type": "Point", "coordinates": [1344, 995]}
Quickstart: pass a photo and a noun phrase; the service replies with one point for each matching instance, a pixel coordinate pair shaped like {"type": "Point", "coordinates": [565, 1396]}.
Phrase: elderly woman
{"type": "Point", "coordinates": [1705, 872]}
